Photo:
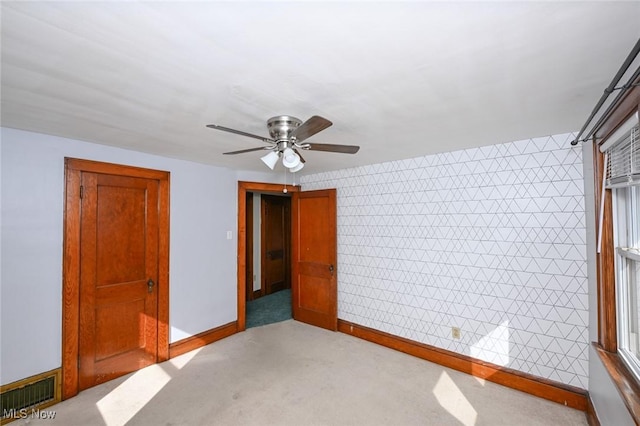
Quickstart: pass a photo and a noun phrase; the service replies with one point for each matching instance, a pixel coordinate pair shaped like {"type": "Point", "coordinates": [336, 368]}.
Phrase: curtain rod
{"type": "Point", "coordinates": [608, 91]}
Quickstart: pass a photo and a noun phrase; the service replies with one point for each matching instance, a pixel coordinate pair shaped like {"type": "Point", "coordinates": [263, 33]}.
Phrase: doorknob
{"type": "Point", "coordinates": [150, 285]}
{"type": "Point", "coordinates": [331, 268]}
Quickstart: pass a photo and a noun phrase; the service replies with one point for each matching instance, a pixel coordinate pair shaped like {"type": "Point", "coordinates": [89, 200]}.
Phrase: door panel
{"type": "Point", "coordinates": [248, 240]}
{"type": "Point", "coordinates": [119, 259]}
{"type": "Point", "coordinates": [314, 265]}
{"type": "Point", "coordinates": [123, 315]}
{"type": "Point", "coordinates": [121, 223]}
{"type": "Point", "coordinates": [275, 243]}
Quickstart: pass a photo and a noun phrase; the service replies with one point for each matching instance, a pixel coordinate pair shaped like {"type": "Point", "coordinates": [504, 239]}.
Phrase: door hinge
{"type": "Point", "coordinates": [81, 191]}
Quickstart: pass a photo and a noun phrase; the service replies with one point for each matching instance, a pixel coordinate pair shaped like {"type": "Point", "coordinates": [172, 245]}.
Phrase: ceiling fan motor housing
{"type": "Point", "coordinates": [281, 126]}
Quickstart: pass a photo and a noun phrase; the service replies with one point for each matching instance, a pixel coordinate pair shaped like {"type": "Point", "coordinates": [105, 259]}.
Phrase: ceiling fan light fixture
{"type": "Point", "coordinates": [290, 159]}
{"type": "Point", "coordinates": [270, 159]}
{"type": "Point", "coordinates": [297, 168]}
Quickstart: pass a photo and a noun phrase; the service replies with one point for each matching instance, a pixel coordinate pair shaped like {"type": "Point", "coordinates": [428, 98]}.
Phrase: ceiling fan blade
{"type": "Point", "coordinates": [310, 127]}
{"type": "Point", "coordinates": [300, 155]}
{"type": "Point", "coordinates": [343, 149]}
{"type": "Point", "coordinates": [242, 151]}
{"type": "Point", "coordinates": [239, 132]}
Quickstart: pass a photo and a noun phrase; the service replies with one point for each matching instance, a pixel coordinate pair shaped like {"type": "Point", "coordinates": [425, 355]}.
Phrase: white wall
{"type": "Point", "coordinates": [203, 289]}
{"type": "Point", "coordinates": [491, 240]}
{"type": "Point", "coordinates": [265, 177]}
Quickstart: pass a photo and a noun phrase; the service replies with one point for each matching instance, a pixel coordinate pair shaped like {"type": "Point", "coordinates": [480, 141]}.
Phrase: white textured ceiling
{"type": "Point", "coordinates": [399, 79]}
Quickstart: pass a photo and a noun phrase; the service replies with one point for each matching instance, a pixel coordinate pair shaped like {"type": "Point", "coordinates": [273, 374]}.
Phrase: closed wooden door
{"type": "Point", "coordinates": [275, 243]}
{"type": "Point", "coordinates": [314, 263]}
{"type": "Point", "coordinates": [118, 324]}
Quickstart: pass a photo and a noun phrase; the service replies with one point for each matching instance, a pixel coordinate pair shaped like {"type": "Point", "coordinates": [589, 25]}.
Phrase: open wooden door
{"type": "Point", "coordinates": [314, 258]}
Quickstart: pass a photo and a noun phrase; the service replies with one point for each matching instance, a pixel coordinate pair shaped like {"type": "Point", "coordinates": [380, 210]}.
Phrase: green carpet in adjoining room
{"type": "Point", "coordinates": [268, 309]}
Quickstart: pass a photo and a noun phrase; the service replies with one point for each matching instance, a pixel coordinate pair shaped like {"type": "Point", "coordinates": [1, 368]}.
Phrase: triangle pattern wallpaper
{"type": "Point", "coordinates": [489, 240]}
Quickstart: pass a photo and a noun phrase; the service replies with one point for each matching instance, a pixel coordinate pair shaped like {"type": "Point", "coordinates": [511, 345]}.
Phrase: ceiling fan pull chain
{"type": "Point", "coordinates": [285, 190]}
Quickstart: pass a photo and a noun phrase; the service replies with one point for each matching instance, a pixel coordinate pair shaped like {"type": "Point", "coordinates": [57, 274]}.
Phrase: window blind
{"type": "Point", "coordinates": [623, 165]}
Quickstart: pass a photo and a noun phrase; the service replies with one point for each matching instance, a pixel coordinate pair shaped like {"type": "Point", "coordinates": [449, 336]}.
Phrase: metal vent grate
{"type": "Point", "coordinates": [36, 392]}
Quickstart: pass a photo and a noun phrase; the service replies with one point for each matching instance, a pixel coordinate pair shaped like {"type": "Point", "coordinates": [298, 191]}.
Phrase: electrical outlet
{"type": "Point", "coordinates": [455, 332]}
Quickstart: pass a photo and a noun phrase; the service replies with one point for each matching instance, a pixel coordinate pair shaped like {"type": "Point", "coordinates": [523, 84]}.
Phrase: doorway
{"type": "Point", "coordinates": [314, 267]}
{"type": "Point", "coordinates": [247, 252]}
{"type": "Point", "coordinates": [268, 254]}
{"type": "Point", "coordinates": [115, 279]}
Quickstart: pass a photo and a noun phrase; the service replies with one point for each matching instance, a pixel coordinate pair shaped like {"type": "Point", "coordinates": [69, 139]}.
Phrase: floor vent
{"type": "Point", "coordinates": [24, 398]}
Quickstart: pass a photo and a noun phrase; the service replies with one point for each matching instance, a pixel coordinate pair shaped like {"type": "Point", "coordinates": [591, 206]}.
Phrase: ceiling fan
{"type": "Point", "coordinates": [287, 136]}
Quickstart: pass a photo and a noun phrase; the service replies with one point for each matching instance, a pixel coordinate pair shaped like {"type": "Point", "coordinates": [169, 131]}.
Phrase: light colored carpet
{"type": "Point", "coordinates": [290, 373]}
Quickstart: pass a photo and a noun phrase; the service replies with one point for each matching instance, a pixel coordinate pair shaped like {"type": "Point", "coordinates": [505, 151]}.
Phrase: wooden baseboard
{"type": "Point", "coordinates": [548, 389]}
{"type": "Point", "coordinates": [201, 339]}
{"type": "Point", "coordinates": [592, 416]}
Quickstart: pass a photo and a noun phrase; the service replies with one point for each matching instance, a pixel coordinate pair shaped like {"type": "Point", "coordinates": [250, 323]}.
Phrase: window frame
{"type": "Point", "coordinates": [626, 247]}
{"type": "Point", "coordinates": [606, 347]}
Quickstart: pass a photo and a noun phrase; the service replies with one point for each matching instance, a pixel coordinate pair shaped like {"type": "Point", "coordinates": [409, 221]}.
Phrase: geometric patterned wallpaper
{"type": "Point", "coordinates": [491, 240]}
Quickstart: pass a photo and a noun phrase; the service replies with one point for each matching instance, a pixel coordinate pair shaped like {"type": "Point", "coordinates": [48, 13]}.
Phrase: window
{"type": "Point", "coordinates": [616, 166]}
{"type": "Point", "coordinates": [623, 178]}
{"type": "Point", "coordinates": [627, 241]}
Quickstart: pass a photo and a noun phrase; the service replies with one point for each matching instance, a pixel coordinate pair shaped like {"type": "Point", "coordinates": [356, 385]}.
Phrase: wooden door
{"type": "Point", "coordinates": [275, 243]}
{"type": "Point", "coordinates": [248, 240]}
{"type": "Point", "coordinates": [314, 258]}
{"type": "Point", "coordinates": [118, 324]}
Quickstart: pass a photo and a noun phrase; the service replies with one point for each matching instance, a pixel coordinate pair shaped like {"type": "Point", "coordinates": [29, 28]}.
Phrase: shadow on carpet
{"type": "Point", "coordinates": [275, 307]}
